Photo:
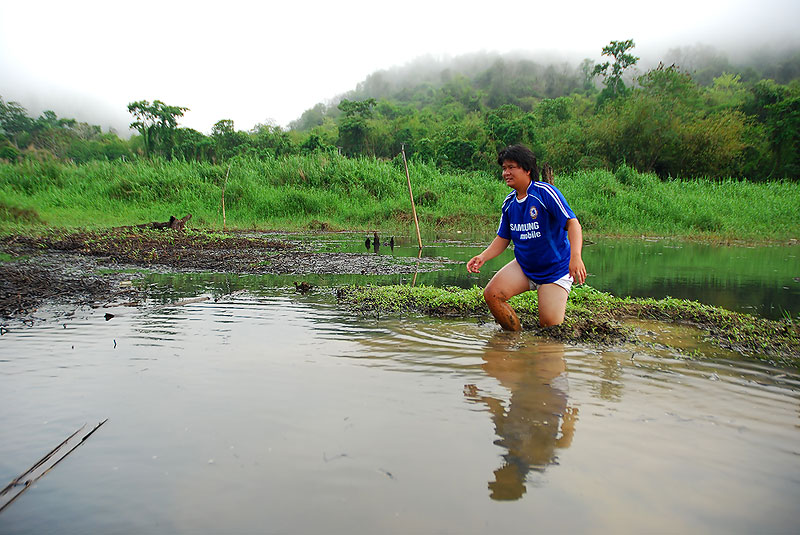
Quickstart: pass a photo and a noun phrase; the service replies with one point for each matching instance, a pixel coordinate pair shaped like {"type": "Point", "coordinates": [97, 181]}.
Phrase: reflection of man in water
{"type": "Point", "coordinates": [537, 420]}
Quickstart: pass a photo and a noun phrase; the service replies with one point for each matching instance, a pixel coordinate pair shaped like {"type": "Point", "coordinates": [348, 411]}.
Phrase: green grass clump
{"type": "Point", "coordinates": [299, 192]}
{"type": "Point", "coordinates": [449, 301]}
{"type": "Point", "coordinates": [591, 316]}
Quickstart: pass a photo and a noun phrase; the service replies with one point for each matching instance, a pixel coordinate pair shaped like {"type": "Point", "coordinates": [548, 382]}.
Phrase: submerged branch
{"type": "Point", "coordinates": [24, 481]}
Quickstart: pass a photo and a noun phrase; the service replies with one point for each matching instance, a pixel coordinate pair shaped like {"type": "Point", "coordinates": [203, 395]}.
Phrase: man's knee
{"type": "Point", "coordinates": [494, 294]}
{"type": "Point", "coordinates": [489, 293]}
{"type": "Point", "coordinates": [552, 305]}
{"type": "Point", "coordinates": [550, 321]}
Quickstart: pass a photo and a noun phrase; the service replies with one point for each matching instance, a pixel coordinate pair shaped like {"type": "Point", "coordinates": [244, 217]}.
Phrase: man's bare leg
{"type": "Point", "coordinates": [505, 284]}
{"type": "Point", "coordinates": [552, 304]}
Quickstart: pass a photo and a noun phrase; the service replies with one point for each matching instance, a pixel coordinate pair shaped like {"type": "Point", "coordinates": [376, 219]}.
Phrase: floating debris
{"type": "Point", "coordinates": [303, 287]}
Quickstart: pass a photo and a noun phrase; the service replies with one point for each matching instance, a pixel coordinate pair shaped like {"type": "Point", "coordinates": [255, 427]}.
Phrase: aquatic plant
{"type": "Point", "coordinates": [592, 316]}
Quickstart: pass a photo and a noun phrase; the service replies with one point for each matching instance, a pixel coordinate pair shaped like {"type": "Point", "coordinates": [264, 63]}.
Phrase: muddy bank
{"type": "Point", "coordinates": [79, 266]}
{"type": "Point", "coordinates": [25, 284]}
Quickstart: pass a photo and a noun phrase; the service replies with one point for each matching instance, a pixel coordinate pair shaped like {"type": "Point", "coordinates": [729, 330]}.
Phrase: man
{"type": "Point", "coordinates": [548, 240]}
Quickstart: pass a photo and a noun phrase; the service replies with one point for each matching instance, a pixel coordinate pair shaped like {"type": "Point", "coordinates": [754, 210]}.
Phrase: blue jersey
{"type": "Point", "coordinates": [537, 226]}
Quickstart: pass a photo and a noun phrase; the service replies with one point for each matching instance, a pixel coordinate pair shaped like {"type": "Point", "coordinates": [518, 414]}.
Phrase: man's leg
{"type": "Point", "coordinates": [505, 284]}
{"type": "Point", "coordinates": [552, 304]}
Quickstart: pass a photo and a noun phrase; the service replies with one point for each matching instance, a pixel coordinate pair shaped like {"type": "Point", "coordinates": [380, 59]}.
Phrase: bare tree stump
{"type": "Point", "coordinates": [172, 224]}
{"type": "Point", "coordinates": [547, 174]}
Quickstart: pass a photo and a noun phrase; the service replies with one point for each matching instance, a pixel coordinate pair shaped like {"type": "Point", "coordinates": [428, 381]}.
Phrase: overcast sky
{"type": "Point", "coordinates": [254, 62]}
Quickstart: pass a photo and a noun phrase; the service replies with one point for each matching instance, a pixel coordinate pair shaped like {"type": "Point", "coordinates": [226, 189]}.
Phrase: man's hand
{"type": "Point", "coordinates": [475, 263]}
{"type": "Point", "coordinates": [577, 270]}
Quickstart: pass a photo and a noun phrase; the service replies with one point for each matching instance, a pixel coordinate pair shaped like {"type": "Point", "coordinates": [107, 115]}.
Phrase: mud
{"type": "Point", "coordinates": [85, 267]}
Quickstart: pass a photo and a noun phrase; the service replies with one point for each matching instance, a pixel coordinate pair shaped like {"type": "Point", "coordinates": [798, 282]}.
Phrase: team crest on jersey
{"type": "Point", "coordinates": [534, 212]}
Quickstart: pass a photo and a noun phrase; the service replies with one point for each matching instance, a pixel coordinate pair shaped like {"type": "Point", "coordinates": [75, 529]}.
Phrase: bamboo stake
{"type": "Point", "coordinates": [223, 196]}
{"type": "Point", "coordinates": [410, 194]}
{"type": "Point", "coordinates": [416, 270]}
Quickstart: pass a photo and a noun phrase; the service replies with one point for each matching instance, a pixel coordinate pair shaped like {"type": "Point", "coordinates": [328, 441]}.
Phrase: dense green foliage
{"type": "Point", "coordinates": [293, 192]}
{"type": "Point", "coordinates": [699, 117]}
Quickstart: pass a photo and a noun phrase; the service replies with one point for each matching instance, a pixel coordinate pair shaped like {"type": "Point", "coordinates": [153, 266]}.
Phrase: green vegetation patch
{"type": "Point", "coordinates": [15, 214]}
{"type": "Point", "coordinates": [329, 192]}
{"type": "Point", "coordinates": [592, 316]}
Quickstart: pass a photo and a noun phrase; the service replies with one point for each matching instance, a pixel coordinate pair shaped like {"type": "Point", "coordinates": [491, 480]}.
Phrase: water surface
{"type": "Point", "coordinates": [258, 409]}
{"type": "Point", "coordinates": [271, 412]}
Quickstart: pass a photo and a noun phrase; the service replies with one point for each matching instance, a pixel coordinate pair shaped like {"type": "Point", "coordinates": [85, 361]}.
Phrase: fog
{"type": "Point", "coordinates": [87, 60]}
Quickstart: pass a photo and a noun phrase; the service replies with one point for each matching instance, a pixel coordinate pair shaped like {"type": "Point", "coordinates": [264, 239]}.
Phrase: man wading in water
{"type": "Point", "coordinates": [547, 244]}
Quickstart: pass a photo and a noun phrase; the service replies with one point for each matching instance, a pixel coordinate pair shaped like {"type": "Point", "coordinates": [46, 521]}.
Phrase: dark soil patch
{"type": "Point", "coordinates": [25, 284]}
{"type": "Point", "coordinates": [148, 248]}
{"type": "Point", "coordinates": [63, 265]}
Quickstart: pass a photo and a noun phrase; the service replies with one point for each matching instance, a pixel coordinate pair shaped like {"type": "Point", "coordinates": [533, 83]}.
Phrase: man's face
{"type": "Point", "coordinates": [514, 175]}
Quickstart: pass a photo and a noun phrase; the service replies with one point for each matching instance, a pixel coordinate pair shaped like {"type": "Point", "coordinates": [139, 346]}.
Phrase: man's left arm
{"type": "Point", "coordinates": [575, 236]}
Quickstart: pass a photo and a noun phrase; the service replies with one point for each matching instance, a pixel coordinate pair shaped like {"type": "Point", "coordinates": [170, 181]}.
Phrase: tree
{"type": "Point", "coordinates": [270, 139]}
{"type": "Point", "coordinates": [587, 74]}
{"type": "Point", "coordinates": [227, 141]}
{"type": "Point", "coordinates": [777, 107]}
{"type": "Point", "coordinates": [14, 120]}
{"type": "Point", "coordinates": [192, 145]}
{"type": "Point", "coordinates": [312, 144]}
{"type": "Point", "coordinates": [612, 72]}
{"type": "Point", "coordinates": [458, 153]}
{"type": "Point", "coordinates": [664, 127]}
{"type": "Point", "coordinates": [503, 125]}
{"type": "Point", "coordinates": [353, 128]}
{"type": "Point", "coordinates": [310, 118]}
{"type": "Point", "coordinates": [49, 120]}
{"type": "Point", "coordinates": [156, 123]}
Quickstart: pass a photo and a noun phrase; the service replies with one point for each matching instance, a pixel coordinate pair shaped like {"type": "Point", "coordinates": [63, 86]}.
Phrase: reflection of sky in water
{"type": "Point", "coordinates": [244, 412]}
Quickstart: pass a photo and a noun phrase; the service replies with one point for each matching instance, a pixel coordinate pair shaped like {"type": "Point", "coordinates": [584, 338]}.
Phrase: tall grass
{"type": "Point", "coordinates": [301, 191]}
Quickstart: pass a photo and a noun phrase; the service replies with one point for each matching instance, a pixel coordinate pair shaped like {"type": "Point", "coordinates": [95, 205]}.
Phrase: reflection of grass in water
{"type": "Point", "coordinates": [593, 316]}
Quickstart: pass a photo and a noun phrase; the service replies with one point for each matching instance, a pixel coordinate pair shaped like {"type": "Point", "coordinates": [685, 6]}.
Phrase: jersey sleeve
{"type": "Point", "coordinates": [556, 204]}
{"type": "Point", "coordinates": [504, 230]}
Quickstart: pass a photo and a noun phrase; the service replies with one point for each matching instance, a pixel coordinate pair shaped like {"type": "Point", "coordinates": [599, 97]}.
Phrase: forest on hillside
{"type": "Point", "coordinates": [694, 114]}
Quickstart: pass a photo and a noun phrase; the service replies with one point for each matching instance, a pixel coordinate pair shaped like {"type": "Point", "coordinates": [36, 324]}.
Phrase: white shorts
{"type": "Point", "coordinates": [565, 282]}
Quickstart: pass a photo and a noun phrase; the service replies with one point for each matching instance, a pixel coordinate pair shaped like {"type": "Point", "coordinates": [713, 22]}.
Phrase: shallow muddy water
{"type": "Point", "coordinates": [265, 411]}
{"type": "Point", "coordinates": [257, 409]}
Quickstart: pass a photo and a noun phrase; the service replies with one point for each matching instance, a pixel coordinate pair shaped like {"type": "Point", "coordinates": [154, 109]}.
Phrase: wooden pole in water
{"type": "Point", "coordinates": [411, 194]}
{"type": "Point", "coordinates": [223, 196]}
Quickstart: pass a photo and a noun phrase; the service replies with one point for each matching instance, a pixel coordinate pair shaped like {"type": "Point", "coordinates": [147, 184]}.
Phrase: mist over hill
{"type": "Point", "coordinates": [535, 75]}
{"type": "Point", "coordinates": [528, 77]}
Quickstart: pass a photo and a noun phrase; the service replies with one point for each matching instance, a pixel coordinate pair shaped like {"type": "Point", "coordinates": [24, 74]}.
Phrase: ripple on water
{"type": "Point", "coordinates": [299, 402]}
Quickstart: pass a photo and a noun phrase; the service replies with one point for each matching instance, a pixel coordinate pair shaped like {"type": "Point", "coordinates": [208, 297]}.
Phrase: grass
{"type": "Point", "coordinates": [592, 316]}
{"type": "Point", "coordinates": [333, 192]}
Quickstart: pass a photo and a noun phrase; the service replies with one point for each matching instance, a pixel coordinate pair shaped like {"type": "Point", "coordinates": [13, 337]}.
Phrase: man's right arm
{"type": "Point", "coordinates": [497, 246]}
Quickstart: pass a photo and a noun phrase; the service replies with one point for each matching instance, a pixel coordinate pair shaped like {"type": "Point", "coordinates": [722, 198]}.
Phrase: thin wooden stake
{"type": "Point", "coordinates": [223, 196]}
{"type": "Point", "coordinates": [411, 194]}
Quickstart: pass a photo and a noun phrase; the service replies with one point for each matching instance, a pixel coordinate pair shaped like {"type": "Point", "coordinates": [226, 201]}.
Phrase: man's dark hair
{"type": "Point", "coordinates": [522, 156]}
